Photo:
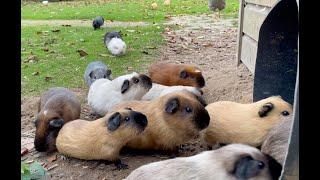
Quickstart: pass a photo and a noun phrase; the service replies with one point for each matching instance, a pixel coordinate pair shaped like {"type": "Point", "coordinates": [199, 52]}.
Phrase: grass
{"type": "Point", "coordinates": [57, 55]}
{"type": "Point", "coordinates": [121, 10]}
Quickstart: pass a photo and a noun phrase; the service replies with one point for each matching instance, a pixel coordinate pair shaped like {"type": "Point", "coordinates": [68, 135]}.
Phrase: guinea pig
{"type": "Point", "coordinates": [173, 119]}
{"type": "Point", "coordinates": [56, 107]}
{"type": "Point", "coordinates": [103, 138]}
{"type": "Point", "coordinates": [97, 22]}
{"type": "Point", "coordinates": [158, 90]}
{"type": "Point", "coordinates": [104, 94]}
{"type": "Point", "coordinates": [233, 122]}
{"type": "Point", "coordinates": [96, 70]}
{"type": "Point", "coordinates": [170, 74]}
{"type": "Point", "coordinates": [231, 162]}
{"type": "Point", "coordinates": [115, 44]}
{"type": "Point", "coordinates": [276, 142]}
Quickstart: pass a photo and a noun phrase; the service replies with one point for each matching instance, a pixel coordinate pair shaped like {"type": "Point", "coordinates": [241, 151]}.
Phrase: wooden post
{"type": "Point", "coordinates": [240, 27]}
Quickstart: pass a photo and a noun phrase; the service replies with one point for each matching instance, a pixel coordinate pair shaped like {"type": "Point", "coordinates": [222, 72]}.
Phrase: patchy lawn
{"type": "Point", "coordinates": [121, 10]}
{"type": "Point", "coordinates": [54, 55]}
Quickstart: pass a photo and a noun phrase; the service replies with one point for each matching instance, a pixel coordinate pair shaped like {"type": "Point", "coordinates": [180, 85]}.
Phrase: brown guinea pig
{"type": "Point", "coordinates": [231, 162]}
{"type": "Point", "coordinates": [173, 119]}
{"type": "Point", "coordinates": [233, 122]}
{"type": "Point", "coordinates": [56, 107]}
{"type": "Point", "coordinates": [103, 138]}
{"type": "Point", "coordinates": [170, 74]}
{"type": "Point", "coordinates": [276, 142]}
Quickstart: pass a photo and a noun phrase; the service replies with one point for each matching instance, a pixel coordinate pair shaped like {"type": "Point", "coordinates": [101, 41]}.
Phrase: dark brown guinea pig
{"type": "Point", "coordinates": [170, 74]}
{"type": "Point", "coordinates": [56, 107]}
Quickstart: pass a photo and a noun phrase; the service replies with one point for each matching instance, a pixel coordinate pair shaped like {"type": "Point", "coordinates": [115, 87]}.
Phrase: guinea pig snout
{"type": "Point", "coordinates": [40, 144]}
{"type": "Point", "coordinates": [201, 82]}
{"type": "Point", "coordinates": [146, 80]}
{"type": "Point", "coordinates": [202, 119]}
{"type": "Point", "coordinates": [140, 119]}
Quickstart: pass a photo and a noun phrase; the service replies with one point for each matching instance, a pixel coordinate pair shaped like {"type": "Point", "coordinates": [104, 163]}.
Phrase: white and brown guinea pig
{"type": "Point", "coordinates": [103, 138]}
{"type": "Point", "coordinates": [173, 119]}
{"type": "Point", "coordinates": [233, 122]}
{"type": "Point", "coordinates": [56, 107]}
{"type": "Point", "coordinates": [104, 94]}
{"type": "Point", "coordinates": [231, 162]}
{"type": "Point", "coordinates": [170, 74]}
{"type": "Point", "coordinates": [276, 142]}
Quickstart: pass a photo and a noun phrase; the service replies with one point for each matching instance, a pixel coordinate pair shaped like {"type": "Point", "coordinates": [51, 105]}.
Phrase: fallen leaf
{"type": "Point", "coordinates": [30, 161]}
{"type": "Point", "coordinates": [24, 151]}
{"type": "Point", "coordinates": [82, 52]}
{"type": "Point", "coordinates": [200, 37]}
{"type": "Point", "coordinates": [52, 158]}
{"type": "Point", "coordinates": [151, 47]}
{"type": "Point", "coordinates": [35, 73]}
{"type": "Point", "coordinates": [55, 30]}
{"type": "Point", "coordinates": [47, 78]}
{"type": "Point", "coordinates": [207, 45]}
{"type": "Point", "coordinates": [129, 68]}
{"type": "Point", "coordinates": [145, 52]}
{"type": "Point", "coordinates": [129, 30]}
{"type": "Point", "coordinates": [104, 55]}
{"type": "Point", "coordinates": [52, 167]}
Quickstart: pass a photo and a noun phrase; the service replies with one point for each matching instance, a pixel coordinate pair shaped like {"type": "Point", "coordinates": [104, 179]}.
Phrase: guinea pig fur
{"type": "Point", "coordinates": [115, 44]}
{"type": "Point", "coordinates": [56, 107]}
{"type": "Point", "coordinates": [97, 22]}
{"type": "Point", "coordinates": [173, 119]}
{"type": "Point", "coordinates": [276, 142]}
{"type": "Point", "coordinates": [104, 94]}
{"type": "Point", "coordinates": [170, 74]}
{"type": "Point", "coordinates": [231, 162]}
{"type": "Point", "coordinates": [103, 138]}
{"type": "Point", "coordinates": [233, 122]}
{"type": "Point", "coordinates": [96, 70]}
{"type": "Point", "coordinates": [158, 90]}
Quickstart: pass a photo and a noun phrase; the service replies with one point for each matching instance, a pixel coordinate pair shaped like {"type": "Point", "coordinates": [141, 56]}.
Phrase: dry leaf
{"type": "Point", "coordinates": [35, 73]}
{"type": "Point", "coordinates": [52, 167]}
{"type": "Point", "coordinates": [55, 30]}
{"type": "Point", "coordinates": [52, 158]}
{"type": "Point", "coordinates": [82, 53]}
{"type": "Point", "coordinates": [151, 47]}
{"type": "Point", "coordinates": [47, 78]}
{"type": "Point", "coordinates": [129, 68]}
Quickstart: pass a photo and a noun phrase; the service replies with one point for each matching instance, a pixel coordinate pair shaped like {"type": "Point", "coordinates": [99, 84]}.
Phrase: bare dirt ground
{"type": "Point", "coordinates": [200, 40]}
{"type": "Point", "coordinates": [82, 23]}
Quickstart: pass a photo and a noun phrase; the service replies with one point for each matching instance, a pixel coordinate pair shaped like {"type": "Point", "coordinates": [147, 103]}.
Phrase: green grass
{"type": "Point", "coordinates": [62, 62]}
{"type": "Point", "coordinates": [121, 10]}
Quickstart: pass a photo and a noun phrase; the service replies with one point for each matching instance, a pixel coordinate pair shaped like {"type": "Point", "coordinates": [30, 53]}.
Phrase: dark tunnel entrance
{"type": "Point", "coordinates": [277, 55]}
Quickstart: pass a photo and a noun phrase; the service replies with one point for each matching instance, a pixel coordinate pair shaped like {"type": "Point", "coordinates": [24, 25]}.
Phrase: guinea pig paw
{"type": "Point", "coordinates": [120, 165]}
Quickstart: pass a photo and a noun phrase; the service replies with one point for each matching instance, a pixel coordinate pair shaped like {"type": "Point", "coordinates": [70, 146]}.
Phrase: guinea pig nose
{"type": "Point", "coordinates": [140, 119]}
{"type": "Point", "coordinates": [201, 82]}
{"type": "Point", "coordinates": [40, 146]}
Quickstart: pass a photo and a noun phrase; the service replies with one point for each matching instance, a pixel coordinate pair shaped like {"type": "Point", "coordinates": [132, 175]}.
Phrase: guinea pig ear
{"type": "Point", "coordinates": [125, 86]}
{"type": "Point", "coordinates": [91, 74]}
{"type": "Point", "coordinates": [265, 109]}
{"type": "Point", "coordinates": [114, 121]}
{"type": "Point", "coordinates": [128, 108]}
{"type": "Point", "coordinates": [183, 74]}
{"type": "Point", "coordinates": [247, 167]}
{"type": "Point", "coordinates": [56, 123]}
{"type": "Point", "coordinates": [172, 106]}
{"type": "Point", "coordinates": [109, 72]}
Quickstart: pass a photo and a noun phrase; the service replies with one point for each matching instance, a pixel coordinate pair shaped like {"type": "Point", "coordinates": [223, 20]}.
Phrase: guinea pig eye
{"type": "Point", "coordinates": [188, 110]}
{"type": "Point", "coordinates": [261, 165]}
{"type": "Point", "coordinates": [136, 81]}
{"type": "Point", "coordinates": [104, 76]}
{"type": "Point", "coordinates": [285, 113]}
{"type": "Point", "coordinates": [127, 118]}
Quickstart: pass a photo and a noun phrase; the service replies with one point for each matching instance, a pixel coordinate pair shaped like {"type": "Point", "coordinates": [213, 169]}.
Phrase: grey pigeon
{"type": "Point", "coordinates": [97, 22]}
{"type": "Point", "coordinates": [96, 70]}
{"type": "Point", "coordinates": [217, 4]}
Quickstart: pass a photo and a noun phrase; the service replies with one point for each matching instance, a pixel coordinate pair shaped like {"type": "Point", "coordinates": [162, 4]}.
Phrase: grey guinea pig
{"type": "Point", "coordinates": [97, 22]}
{"type": "Point", "coordinates": [96, 70]}
{"type": "Point", "coordinates": [276, 142]}
{"type": "Point", "coordinates": [109, 35]}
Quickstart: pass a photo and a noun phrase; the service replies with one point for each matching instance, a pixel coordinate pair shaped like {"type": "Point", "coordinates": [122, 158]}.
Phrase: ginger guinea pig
{"type": "Point", "coordinates": [277, 141]}
{"type": "Point", "coordinates": [170, 74]}
{"type": "Point", "coordinates": [233, 122]}
{"type": "Point", "coordinates": [173, 119]}
{"type": "Point", "coordinates": [104, 94]}
{"type": "Point", "coordinates": [56, 107]}
{"type": "Point", "coordinates": [103, 138]}
{"type": "Point", "coordinates": [231, 162]}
